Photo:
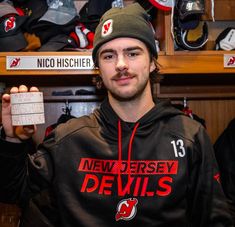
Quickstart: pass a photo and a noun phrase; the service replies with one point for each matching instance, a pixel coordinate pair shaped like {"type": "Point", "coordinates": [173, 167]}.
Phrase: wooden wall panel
{"type": "Point", "coordinates": [224, 9]}
{"type": "Point", "coordinates": [216, 113]}
{"type": "Point", "coordinates": [9, 215]}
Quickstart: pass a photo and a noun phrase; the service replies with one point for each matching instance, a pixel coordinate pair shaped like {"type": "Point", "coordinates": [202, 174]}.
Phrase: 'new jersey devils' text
{"type": "Point", "coordinates": [136, 177]}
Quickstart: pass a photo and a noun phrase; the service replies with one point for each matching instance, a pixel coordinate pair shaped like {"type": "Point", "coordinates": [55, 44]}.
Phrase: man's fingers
{"type": "Point", "coordinates": [14, 90]}
{"type": "Point", "coordinates": [21, 132]}
{"type": "Point", "coordinates": [25, 132]}
{"type": "Point", "coordinates": [6, 97]}
{"type": "Point", "coordinates": [23, 88]}
{"type": "Point", "coordinates": [5, 100]}
{"type": "Point", "coordinates": [29, 129]}
{"type": "Point", "coordinates": [33, 89]}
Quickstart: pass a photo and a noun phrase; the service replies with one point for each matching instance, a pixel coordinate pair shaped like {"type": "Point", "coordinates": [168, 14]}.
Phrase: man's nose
{"type": "Point", "coordinates": [121, 63]}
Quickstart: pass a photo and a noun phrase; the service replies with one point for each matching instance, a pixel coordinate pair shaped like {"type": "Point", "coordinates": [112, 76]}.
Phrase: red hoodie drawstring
{"type": "Point", "coordinates": [129, 154]}
{"type": "Point", "coordinates": [119, 153]}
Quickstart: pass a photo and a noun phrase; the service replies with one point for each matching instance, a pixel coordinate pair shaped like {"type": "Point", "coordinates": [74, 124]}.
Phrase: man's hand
{"type": "Point", "coordinates": [13, 133]}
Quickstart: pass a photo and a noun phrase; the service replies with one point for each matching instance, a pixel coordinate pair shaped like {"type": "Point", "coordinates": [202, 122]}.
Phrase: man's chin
{"type": "Point", "coordinates": [124, 97]}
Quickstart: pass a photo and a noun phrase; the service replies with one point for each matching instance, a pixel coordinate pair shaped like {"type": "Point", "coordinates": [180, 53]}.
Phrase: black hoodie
{"type": "Point", "coordinates": [225, 156]}
{"type": "Point", "coordinates": [102, 172]}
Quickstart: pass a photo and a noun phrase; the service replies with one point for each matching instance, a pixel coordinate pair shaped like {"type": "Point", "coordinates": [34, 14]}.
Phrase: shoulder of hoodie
{"type": "Point", "coordinates": [184, 127]}
{"type": "Point", "coordinates": [178, 124]}
{"type": "Point", "coordinates": [75, 125]}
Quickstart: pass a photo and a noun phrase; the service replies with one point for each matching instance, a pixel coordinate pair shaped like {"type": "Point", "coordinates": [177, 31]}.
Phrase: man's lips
{"type": "Point", "coordinates": [123, 76]}
{"type": "Point", "coordinates": [123, 79]}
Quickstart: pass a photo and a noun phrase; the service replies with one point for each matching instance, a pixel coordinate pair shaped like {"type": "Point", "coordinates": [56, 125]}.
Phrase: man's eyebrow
{"type": "Point", "coordinates": [133, 48]}
{"type": "Point", "coordinates": [125, 49]}
{"type": "Point", "coordinates": [106, 51]}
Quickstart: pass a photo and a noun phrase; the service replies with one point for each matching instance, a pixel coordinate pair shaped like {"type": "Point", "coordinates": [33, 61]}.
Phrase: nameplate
{"type": "Point", "coordinates": [49, 63]}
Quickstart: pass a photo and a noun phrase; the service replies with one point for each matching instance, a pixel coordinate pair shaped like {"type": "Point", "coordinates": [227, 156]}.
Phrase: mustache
{"type": "Point", "coordinates": [122, 74]}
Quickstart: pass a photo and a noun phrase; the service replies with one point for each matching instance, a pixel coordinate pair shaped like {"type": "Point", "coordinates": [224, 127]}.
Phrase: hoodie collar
{"type": "Point", "coordinates": [162, 109]}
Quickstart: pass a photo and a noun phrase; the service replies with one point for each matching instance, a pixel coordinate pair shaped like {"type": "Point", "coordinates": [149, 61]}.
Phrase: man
{"type": "Point", "coordinates": [133, 162]}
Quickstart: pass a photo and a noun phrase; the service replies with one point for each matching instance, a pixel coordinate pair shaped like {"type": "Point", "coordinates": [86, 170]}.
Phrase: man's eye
{"type": "Point", "coordinates": [108, 57]}
{"type": "Point", "coordinates": [133, 54]}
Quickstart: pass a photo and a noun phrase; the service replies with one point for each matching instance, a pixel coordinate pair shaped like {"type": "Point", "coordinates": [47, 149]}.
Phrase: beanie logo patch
{"type": "Point", "coordinates": [107, 28]}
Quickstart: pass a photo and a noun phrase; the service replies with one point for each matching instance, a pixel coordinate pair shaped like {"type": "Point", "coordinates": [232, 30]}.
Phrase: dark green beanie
{"type": "Point", "coordinates": [131, 21]}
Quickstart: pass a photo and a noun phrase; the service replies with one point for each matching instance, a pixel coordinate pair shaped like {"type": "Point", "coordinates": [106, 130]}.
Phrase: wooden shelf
{"type": "Point", "coordinates": [196, 86]}
{"type": "Point", "coordinates": [195, 62]}
{"type": "Point", "coordinates": [75, 98]}
{"type": "Point", "coordinates": [198, 96]}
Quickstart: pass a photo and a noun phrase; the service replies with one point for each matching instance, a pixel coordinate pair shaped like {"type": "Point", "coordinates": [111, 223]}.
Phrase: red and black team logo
{"type": "Point", "coordinates": [10, 24]}
{"type": "Point", "coordinates": [231, 61]}
{"type": "Point", "coordinates": [126, 209]}
{"type": "Point", "coordinates": [217, 177]}
{"type": "Point", "coordinates": [107, 28]}
{"type": "Point", "coordinates": [15, 62]}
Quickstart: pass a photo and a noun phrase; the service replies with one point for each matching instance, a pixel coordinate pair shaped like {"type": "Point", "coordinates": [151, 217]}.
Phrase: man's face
{"type": "Point", "coordinates": [125, 65]}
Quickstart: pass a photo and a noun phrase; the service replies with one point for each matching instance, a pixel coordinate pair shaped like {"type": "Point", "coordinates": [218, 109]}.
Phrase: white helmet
{"type": "Point", "coordinates": [165, 5]}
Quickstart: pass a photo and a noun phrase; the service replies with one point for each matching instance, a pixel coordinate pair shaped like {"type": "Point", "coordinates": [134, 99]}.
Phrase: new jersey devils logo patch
{"type": "Point", "coordinates": [126, 209]}
{"type": "Point", "coordinates": [107, 28]}
{"type": "Point", "coordinates": [10, 24]}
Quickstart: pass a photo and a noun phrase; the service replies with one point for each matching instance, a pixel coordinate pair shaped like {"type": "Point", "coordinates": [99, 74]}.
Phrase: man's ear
{"type": "Point", "coordinates": [97, 80]}
{"type": "Point", "coordinates": [152, 66]}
